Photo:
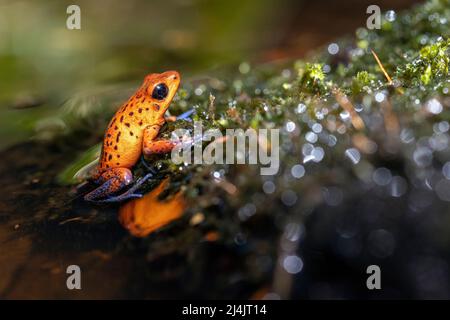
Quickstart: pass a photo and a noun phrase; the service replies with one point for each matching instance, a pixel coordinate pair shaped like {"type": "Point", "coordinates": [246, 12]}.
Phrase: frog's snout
{"type": "Point", "coordinates": [173, 80]}
{"type": "Point", "coordinates": [172, 76]}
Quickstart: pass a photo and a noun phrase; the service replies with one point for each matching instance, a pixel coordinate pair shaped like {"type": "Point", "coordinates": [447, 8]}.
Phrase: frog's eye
{"type": "Point", "coordinates": [160, 91]}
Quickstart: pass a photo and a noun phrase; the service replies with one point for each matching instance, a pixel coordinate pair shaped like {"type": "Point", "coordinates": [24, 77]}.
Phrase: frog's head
{"type": "Point", "coordinates": [161, 88]}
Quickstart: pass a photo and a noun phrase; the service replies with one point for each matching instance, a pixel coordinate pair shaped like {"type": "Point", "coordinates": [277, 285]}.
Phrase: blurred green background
{"type": "Point", "coordinates": [42, 63]}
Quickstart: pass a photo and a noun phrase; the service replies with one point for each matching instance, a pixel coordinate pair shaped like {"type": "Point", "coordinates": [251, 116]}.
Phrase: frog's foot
{"type": "Point", "coordinates": [147, 166]}
{"type": "Point", "coordinates": [111, 181]}
{"type": "Point", "coordinates": [129, 194]}
{"type": "Point", "coordinates": [186, 115]}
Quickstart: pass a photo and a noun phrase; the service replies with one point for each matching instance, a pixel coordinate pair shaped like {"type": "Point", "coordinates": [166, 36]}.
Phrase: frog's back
{"type": "Point", "coordinates": [122, 144]}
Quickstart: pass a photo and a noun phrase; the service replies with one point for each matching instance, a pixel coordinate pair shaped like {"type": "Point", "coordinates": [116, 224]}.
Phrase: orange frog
{"type": "Point", "coordinates": [132, 132]}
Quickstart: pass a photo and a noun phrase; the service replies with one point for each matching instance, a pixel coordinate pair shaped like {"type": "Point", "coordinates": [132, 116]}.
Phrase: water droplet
{"type": "Point", "coordinates": [446, 170]}
{"type": "Point", "coordinates": [293, 231]}
{"type": "Point", "coordinates": [407, 135]}
{"type": "Point", "coordinates": [290, 126]}
{"type": "Point", "coordinates": [269, 187]}
{"type": "Point", "coordinates": [332, 140]}
{"type": "Point", "coordinates": [319, 115]}
{"type": "Point", "coordinates": [300, 108]}
{"type": "Point", "coordinates": [198, 91]}
{"type": "Point", "coordinates": [443, 189]}
{"type": "Point", "coordinates": [359, 107]}
{"type": "Point", "coordinates": [333, 48]}
{"type": "Point", "coordinates": [317, 127]}
{"type": "Point", "coordinates": [289, 198]}
{"type": "Point", "coordinates": [307, 149]}
{"type": "Point", "coordinates": [292, 264]}
{"type": "Point", "coordinates": [382, 176]}
{"type": "Point", "coordinates": [353, 154]}
{"type": "Point", "coordinates": [390, 15]}
{"type": "Point", "coordinates": [379, 97]}
{"type": "Point", "coordinates": [318, 154]}
{"type": "Point", "coordinates": [298, 171]}
{"type": "Point", "coordinates": [286, 73]}
{"type": "Point", "coordinates": [398, 186]}
{"type": "Point", "coordinates": [244, 67]}
{"type": "Point", "coordinates": [439, 142]}
{"type": "Point", "coordinates": [443, 126]}
{"type": "Point", "coordinates": [311, 137]}
{"type": "Point", "coordinates": [422, 156]}
{"type": "Point", "coordinates": [434, 106]}
{"type": "Point", "coordinates": [345, 115]}
{"type": "Point", "coordinates": [341, 129]}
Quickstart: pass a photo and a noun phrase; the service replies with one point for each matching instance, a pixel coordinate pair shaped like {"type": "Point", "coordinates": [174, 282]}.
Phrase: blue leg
{"type": "Point", "coordinates": [186, 115]}
{"type": "Point", "coordinates": [129, 194]}
{"type": "Point", "coordinates": [147, 167]}
{"type": "Point", "coordinates": [112, 181]}
{"type": "Point", "coordinates": [99, 192]}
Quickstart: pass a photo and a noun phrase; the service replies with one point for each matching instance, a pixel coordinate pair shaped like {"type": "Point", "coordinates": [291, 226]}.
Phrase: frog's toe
{"type": "Point", "coordinates": [186, 115]}
{"type": "Point", "coordinates": [130, 193]}
{"type": "Point", "coordinates": [120, 198]}
{"type": "Point", "coordinates": [149, 168]}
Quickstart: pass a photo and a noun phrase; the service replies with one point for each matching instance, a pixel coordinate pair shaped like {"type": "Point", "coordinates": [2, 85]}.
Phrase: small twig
{"type": "Point", "coordinates": [390, 82]}
{"type": "Point", "coordinates": [382, 67]}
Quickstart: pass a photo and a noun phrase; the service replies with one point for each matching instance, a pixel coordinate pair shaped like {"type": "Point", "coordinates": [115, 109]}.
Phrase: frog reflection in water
{"type": "Point", "coordinates": [133, 132]}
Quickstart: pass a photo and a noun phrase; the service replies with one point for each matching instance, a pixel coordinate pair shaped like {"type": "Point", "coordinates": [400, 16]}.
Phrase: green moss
{"type": "Point", "coordinates": [362, 81]}
{"type": "Point", "coordinates": [432, 62]}
{"type": "Point", "coordinates": [312, 78]}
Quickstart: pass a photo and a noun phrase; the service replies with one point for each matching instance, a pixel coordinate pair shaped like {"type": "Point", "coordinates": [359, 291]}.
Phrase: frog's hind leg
{"type": "Point", "coordinates": [129, 194]}
{"type": "Point", "coordinates": [111, 181]}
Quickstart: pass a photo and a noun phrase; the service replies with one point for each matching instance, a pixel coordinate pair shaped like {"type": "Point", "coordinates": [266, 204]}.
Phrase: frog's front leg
{"type": "Point", "coordinates": [152, 145]}
{"type": "Point", "coordinates": [158, 146]}
{"type": "Point", "coordinates": [184, 116]}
